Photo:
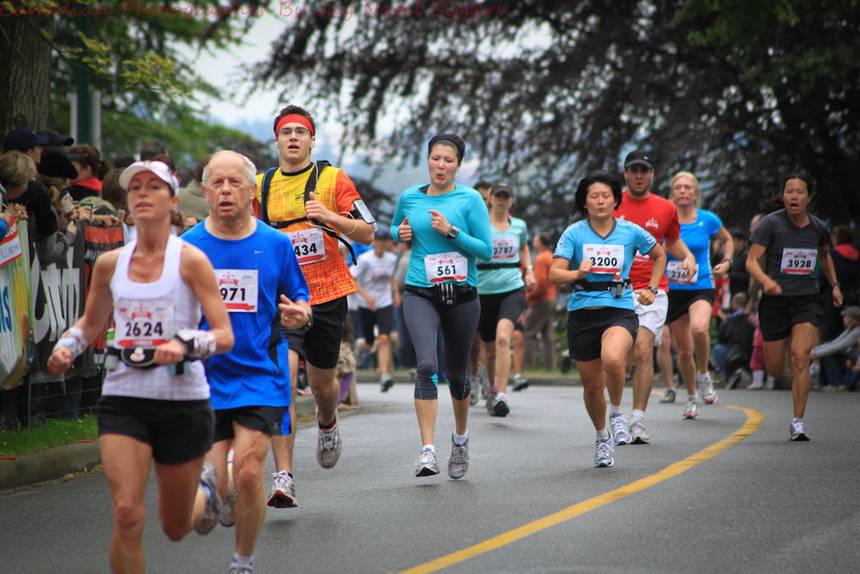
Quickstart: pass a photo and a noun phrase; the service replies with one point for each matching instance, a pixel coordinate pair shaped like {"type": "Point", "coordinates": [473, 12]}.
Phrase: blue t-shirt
{"type": "Point", "coordinates": [506, 250]}
{"type": "Point", "coordinates": [611, 256]}
{"type": "Point", "coordinates": [697, 235]}
{"type": "Point", "coordinates": [252, 273]}
{"type": "Point", "coordinates": [435, 258]}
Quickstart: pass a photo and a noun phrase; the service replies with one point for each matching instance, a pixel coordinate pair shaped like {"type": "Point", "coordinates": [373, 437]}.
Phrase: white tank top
{"type": "Point", "coordinates": [146, 315]}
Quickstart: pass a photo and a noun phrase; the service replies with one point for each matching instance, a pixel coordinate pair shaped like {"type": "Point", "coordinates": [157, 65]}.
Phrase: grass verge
{"type": "Point", "coordinates": [53, 432]}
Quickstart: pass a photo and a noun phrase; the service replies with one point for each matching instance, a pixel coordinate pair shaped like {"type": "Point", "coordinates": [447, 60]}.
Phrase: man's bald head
{"type": "Point", "coordinates": [227, 157]}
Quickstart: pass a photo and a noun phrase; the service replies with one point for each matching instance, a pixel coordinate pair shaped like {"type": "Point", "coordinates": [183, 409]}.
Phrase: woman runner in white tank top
{"type": "Point", "coordinates": [155, 403]}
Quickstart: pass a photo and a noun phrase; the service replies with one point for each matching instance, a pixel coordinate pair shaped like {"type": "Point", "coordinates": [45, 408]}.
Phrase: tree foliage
{"type": "Point", "coordinates": [741, 92]}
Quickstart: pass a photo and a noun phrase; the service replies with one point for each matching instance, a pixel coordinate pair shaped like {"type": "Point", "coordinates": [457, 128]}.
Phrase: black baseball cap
{"type": "Point", "coordinates": [638, 157]}
{"type": "Point", "coordinates": [502, 188]}
{"type": "Point", "coordinates": [55, 138]}
{"type": "Point", "coordinates": [23, 139]}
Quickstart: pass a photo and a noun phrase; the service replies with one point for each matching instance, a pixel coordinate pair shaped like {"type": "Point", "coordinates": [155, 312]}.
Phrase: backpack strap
{"type": "Point", "coordinates": [264, 193]}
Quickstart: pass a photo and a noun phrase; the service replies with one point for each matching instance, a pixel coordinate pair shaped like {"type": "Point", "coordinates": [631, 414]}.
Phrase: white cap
{"type": "Point", "coordinates": [159, 168]}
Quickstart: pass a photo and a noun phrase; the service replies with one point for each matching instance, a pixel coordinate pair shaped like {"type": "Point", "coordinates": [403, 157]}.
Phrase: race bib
{"type": "Point", "coordinates": [505, 248]}
{"type": "Point", "coordinates": [798, 261]}
{"type": "Point", "coordinates": [146, 323]}
{"type": "Point", "coordinates": [450, 266]}
{"type": "Point", "coordinates": [607, 259]}
{"type": "Point", "coordinates": [238, 289]}
{"type": "Point", "coordinates": [308, 245]}
{"type": "Point", "coordinates": [676, 273]}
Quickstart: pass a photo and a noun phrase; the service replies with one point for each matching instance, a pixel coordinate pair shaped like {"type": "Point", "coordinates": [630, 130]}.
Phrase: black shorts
{"type": "Point", "coordinates": [777, 315]}
{"type": "Point", "coordinates": [585, 328]}
{"type": "Point", "coordinates": [177, 431]}
{"type": "Point", "coordinates": [383, 318]}
{"type": "Point", "coordinates": [680, 301]}
{"type": "Point", "coordinates": [263, 419]}
{"type": "Point", "coordinates": [295, 340]}
{"type": "Point", "coordinates": [494, 308]}
{"type": "Point", "coordinates": [320, 344]}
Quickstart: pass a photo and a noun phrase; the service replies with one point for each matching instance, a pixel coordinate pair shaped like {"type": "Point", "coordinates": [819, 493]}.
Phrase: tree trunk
{"type": "Point", "coordinates": [25, 69]}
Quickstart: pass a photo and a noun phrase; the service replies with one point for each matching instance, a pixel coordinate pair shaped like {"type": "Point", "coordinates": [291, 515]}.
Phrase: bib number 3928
{"type": "Point", "coordinates": [441, 267]}
{"type": "Point", "coordinates": [308, 245]}
{"type": "Point", "coordinates": [798, 261]}
{"type": "Point", "coordinates": [238, 288]}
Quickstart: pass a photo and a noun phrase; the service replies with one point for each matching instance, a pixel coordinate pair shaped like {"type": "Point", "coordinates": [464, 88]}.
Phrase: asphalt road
{"type": "Point", "coordinates": [760, 504]}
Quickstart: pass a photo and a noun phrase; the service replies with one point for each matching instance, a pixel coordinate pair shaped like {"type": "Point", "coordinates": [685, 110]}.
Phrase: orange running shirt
{"type": "Point", "coordinates": [325, 271]}
{"type": "Point", "coordinates": [659, 217]}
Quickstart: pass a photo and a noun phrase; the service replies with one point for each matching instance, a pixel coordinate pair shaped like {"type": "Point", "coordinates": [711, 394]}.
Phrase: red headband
{"type": "Point", "coordinates": [296, 118]}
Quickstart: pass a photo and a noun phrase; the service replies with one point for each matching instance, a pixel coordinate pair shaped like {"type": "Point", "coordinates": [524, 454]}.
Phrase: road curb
{"type": "Point", "coordinates": [59, 461]}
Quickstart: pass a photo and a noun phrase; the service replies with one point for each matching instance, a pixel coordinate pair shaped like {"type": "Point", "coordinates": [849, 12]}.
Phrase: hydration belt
{"type": "Point", "coordinates": [140, 358]}
{"type": "Point", "coordinates": [310, 187]}
{"type": "Point", "coordinates": [510, 264]}
{"type": "Point", "coordinates": [445, 294]}
{"type": "Point", "coordinates": [617, 287]}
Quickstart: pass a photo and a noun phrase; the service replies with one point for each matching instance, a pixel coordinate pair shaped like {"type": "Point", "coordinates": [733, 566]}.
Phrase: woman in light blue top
{"type": "Point", "coordinates": [449, 228]}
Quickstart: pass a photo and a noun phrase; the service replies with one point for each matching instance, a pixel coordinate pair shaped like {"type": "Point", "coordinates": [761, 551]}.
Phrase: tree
{"type": "Point", "coordinates": [740, 92]}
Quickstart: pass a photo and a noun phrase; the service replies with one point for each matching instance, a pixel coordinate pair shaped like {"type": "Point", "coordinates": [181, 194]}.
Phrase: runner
{"type": "Point", "coordinates": [596, 254]}
{"type": "Point", "coordinates": [449, 229]}
{"type": "Point", "coordinates": [792, 240]}
{"type": "Point", "coordinates": [691, 297]}
{"type": "Point", "coordinates": [155, 402]}
{"type": "Point", "coordinates": [317, 205]}
{"type": "Point", "coordinates": [659, 217]}
{"type": "Point", "coordinates": [374, 281]}
{"type": "Point", "coordinates": [502, 292]}
{"type": "Point", "coordinates": [262, 285]}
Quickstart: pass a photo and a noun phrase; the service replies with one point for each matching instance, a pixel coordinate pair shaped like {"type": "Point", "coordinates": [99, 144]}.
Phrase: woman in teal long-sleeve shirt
{"type": "Point", "coordinates": [449, 228]}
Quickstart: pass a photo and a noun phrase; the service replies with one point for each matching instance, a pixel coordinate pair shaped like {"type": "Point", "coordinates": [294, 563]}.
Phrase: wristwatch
{"type": "Point", "coordinates": [453, 232]}
{"type": "Point", "coordinates": [654, 290]}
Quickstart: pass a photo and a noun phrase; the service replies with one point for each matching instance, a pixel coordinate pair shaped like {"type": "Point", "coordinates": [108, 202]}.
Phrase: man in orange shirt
{"type": "Point", "coordinates": [540, 317]}
{"type": "Point", "coordinates": [317, 205]}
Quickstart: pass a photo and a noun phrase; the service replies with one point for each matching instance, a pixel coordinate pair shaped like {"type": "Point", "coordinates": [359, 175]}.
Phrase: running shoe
{"type": "Point", "coordinates": [283, 491]}
{"type": "Point", "coordinates": [227, 517]}
{"type": "Point", "coordinates": [520, 383]}
{"type": "Point", "coordinates": [328, 445]}
{"type": "Point", "coordinates": [706, 384]}
{"type": "Point", "coordinates": [386, 383]}
{"type": "Point", "coordinates": [618, 429]}
{"type": "Point", "coordinates": [669, 396]}
{"type": "Point", "coordinates": [603, 453]}
{"type": "Point", "coordinates": [499, 407]}
{"type": "Point", "coordinates": [797, 432]}
{"type": "Point", "coordinates": [692, 409]}
{"type": "Point", "coordinates": [426, 464]}
{"type": "Point", "coordinates": [458, 464]}
{"type": "Point", "coordinates": [236, 569]}
{"type": "Point", "coordinates": [638, 434]}
{"type": "Point", "coordinates": [213, 501]}
{"type": "Point", "coordinates": [473, 394]}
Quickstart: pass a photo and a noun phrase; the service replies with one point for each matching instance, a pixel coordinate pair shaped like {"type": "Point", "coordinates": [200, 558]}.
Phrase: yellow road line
{"type": "Point", "coordinates": [752, 423]}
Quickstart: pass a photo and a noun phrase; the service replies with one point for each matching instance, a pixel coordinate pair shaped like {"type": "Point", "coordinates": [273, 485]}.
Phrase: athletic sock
{"type": "Point", "coordinates": [501, 397]}
{"type": "Point", "coordinates": [758, 377]}
{"type": "Point", "coordinates": [428, 447]}
{"type": "Point", "coordinates": [637, 414]}
{"type": "Point", "coordinates": [693, 397]}
{"type": "Point", "coordinates": [329, 427]}
{"type": "Point", "coordinates": [206, 490]}
{"type": "Point", "coordinates": [603, 434]}
{"type": "Point", "coordinates": [242, 561]}
{"type": "Point", "coordinates": [461, 439]}
{"type": "Point", "coordinates": [795, 420]}
{"type": "Point", "coordinates": [614, 410]}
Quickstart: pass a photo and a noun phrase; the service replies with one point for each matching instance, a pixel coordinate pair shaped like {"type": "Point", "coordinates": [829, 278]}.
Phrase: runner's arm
{"type": "Point", "coordinates": [198, 274]}
{"type": "Point", "coordinates": [830, 272]}
{"type": "Point", "coordinates": [725, 238]}
{"type": "Point", "coordinates": [526, 257]}
{"type": "Point", "coordinates": [769, 286]}
{"type": "Point", "coordinates": [679, 250]}
{"type": "Point", "coordinates": [560, 274]}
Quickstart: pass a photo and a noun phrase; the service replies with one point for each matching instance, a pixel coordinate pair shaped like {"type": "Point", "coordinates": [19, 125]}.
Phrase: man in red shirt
{"type": "Point", "coordinates": [659, 217]}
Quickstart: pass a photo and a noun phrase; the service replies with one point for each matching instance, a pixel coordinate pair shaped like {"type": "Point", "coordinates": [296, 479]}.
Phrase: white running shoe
{"type": "Point", "coordinates": [638, 434]}
{"type": "Point", "coordinates": [328, 445]}
{"type": "Point", "coordinates": [426, 464]}
{"type": "Point", "coordinates": [692, 409]}
{"type": "Point", "coordinates": [603, 453]}
{"type": "Point", "coordinates": [618, 429]}
{"type": "Point", "coordinates": [283, 491]}
{"type": "Point", "coordinates": [796, 431]}
{"type": "Point", "coordinates": [458, 464]}
{"type": "Point", "coordinates": [227, 516]}
{"type": "Point", "coordinates": [706, 384]}
{"type": "Point", "coordinates": [213, 501]}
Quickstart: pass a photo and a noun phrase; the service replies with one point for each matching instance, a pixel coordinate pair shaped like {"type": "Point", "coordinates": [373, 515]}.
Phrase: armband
{"type": "Point", "coordinates": [74, 341]}
{"type": "Point", "coordinates": [199, 344]}
{"type": "Point", "coordinates": [360, 210]}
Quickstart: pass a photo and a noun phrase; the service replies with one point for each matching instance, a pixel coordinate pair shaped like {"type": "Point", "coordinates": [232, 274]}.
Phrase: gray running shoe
{"type": "Point", "coordinates": [797, 433]}
{"type": "Point", "coordinates": [213, 502]}
{"type": "Point", "coordinates": [426, 464]}
{"type": "Point", "coordinates": [668, 396]}
{"type": "Point", "coordinates": [603, 454]}
{"type": "Point", "coordinates": [691, 411]}
{"type": "Point", "coordinates": [236, 569]}
{"type": "Point", "coordinates": [283, 491]}
{"type": "Point", "coordinates": [328, 446]}
{"type": "Point", "coordinates": [618, 429]}
{"type": "Point", "coordinates": [638, 434]}
{"type": "Point", "coordinates": [498, 407]}
{"type": "Point", "coordinates": [227, 517]}
{"type": "Point", "coordinates": [458, 464]}
{"type": "Point", "coordinates": [520, 383]}
{"type": "Point", "coordinates": [706, 384]}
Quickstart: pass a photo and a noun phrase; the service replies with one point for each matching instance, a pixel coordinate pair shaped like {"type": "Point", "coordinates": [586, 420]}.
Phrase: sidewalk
{"type": "Point", "coordinates": [59, 461]}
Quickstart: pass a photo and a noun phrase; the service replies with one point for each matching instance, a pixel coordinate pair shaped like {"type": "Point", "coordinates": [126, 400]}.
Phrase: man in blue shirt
{"type": "Point", "coordinates": [263, 289]}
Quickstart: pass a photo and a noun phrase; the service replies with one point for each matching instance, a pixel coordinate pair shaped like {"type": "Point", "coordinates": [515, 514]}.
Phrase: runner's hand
{"type": "Point", "coordinates": [440, 224]}
{"type": "Point", "coordinates": [315, 210]}
{"type": "Point", "coordinates": [531, 282]}
{"type": "Point", "coordinates": [293, 315]}
{"type": "Point", "coordinates": [722, 268]}
{"type": "Point", "coordinates": [691, 266]}
{"type": "Point", "coordinates": [404, 230]}
{"type": "Point", "coordinates": [585, 268]}
{"type": "Point", "coordinates": [646, 296]}
{"type": "Point", "coordinates": [370, 300]}
{"type": "Point", "coordinates": [837, 296]}
{"type": "Point", "coordinates": [396, 299]}
{"type": "Point", "coordinates": [60, 360]}
{"type": "Point", "coordinates": [772, 288]}
{"type": "Point", "coordinates": [170, 353]}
